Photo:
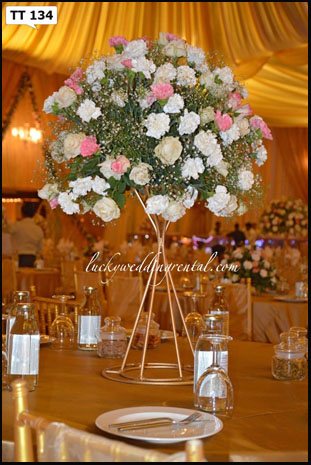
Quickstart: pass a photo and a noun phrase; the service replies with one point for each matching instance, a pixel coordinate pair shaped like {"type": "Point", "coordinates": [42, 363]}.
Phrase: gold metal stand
{"type": "Point", "coordinates": [126, 373]}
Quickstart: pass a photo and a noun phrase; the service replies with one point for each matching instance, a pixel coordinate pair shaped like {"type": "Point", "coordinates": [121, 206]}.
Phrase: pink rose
{"type": "Point", "coordinates": [255, 264]}
{"type": "Point", "coordinates": [224, 122]}
{"type": "Point", "coordinates": [89, 146]}
{"type": "Point", "coordinates": [127, 63]}
{"type": "Point", "coordinates": [234, 100]}
{"type": "Point", "coordinates": [255, 270]}
{"type": "Point", "coordinates": [61, 118]}
{"type": "Point", "coordinates": [243, 110]}
{"type": "Point", "coordinates": [77, 75]}
{"type": "Point", "coordinates": [121, 164]}
{"type": "Point", "coordinates": [258, 123]}
{"type": "Point", "coordinates": [53, 203]}
{"type": "Point", "coordinates": [114, 41]}
{"type": "Point", "coordinates": [162, 91]}
{"type": "Point", "coordinates": [170, 37]}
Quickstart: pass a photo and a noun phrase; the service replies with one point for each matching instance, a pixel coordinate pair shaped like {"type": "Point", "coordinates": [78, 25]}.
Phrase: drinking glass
{"type": "Point", "coordinates": [194, 321]}
{"type": "Point", "coordinates": [214, 391]}
{"type": "Point", "coordinates": [62, 329]}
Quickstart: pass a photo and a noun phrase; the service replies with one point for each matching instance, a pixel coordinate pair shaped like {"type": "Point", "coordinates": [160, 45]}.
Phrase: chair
{"type": "Point", "coordinates": [46, 310]}
{"type": "Point", "coordinates": [93, 279]}
{"type": "Point", "coordinates": [124, 295]}
{"type": "Point", "coordinates": [9, 281]}
{"type": "Point", "coordinates": [57, 442]}
{"type": "Point", "coordinates": [68, 269]}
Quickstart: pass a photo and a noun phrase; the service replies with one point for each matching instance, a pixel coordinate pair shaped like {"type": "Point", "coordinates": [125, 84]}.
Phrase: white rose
{"type": "Point", "coordinates": [105, 169]}
{"type": "Point", "coordinates": [266, 264]}
{"type": "Point", "coordinates": [136, 49]}
{"type": "Point", "coordinates": [247, 265]}
{"type": "Point", "coordinates": [190, 197]}
{"type": "Point", "coordinates": [237, 253]}
{"type": "Point", "coordinates": [192, 168]}
{"type": "Point", "coordinates": [242, 209]}
{"type": "Point", "coordinates": [88, 110]}
{"type": "Point", "coordinates": [80, 186]}
{"type": "Point", "coordinates": [235, 278]}
{"type": "Point", "coordinates": [165, 73]}
{"type": "Point", "coordinates": [174, 211]}
{"type": "Point", "coordinates": [114, 62]}
{"type": "Point", "coordinates": [48, 192]}
{"type": "Point", "coordinates": [157, 204]}
{"type": "Point", "coordinates": [207, 79]}
{"type": "Point", "coordinates": [107, 209]}
{"type": "Point", "coordinates": [231, 206]}
{"type": "Point", "coordinates": [263, 273]}
{"type": "Point", "coordinates": [206, 115]}
{"type": "Point", "coordinates": [243, 126]}
{"type": "Point", "coordinates": [230, 135]}
{"type": "Point", "coordinates": [222, 168]}
{"type": "Point", "coordinates": [174, 104]}
{"type": "Point", "coordinates": [157, 124]}
{"type": "Point", "coordinates": [169, 150]}
{"type": "Point", "coordinates": [175, 48]}
{"type": "Point", "coordinates": [261, 155]}
{"type": "Point", "coordinates": [188, 123]}
{"type": "Point", "coordinates": [65, 97]}
{"type": "Point", "coordinates": [72, 144]}
{"type": "Point", "coordinates": [162, 38]}
{"type": "Point", "coordinates": [48, 103]}
{"type": "Point", "coordinates": [186, 76]}
{"type": "Point", "coordinates": [219, 200]}
{"type": "Point", "coordinates": [140, 174]}
{"type": "Point", "coordinates": [255, 256]}
{"type": "Point", "coordinates": [246, 180]}
{"type": "Point", "coordinates": [95, 71]}
{"type": "Point", "coordinates": [195, 55]}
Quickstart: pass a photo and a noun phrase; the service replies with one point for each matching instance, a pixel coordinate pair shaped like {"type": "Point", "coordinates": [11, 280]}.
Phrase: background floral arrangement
{"type": "Point", "coordinates": [285, 217]}
{"type": "Point", "coordinates": [161, 117]}
{"type": "Point", "coordinates": [251, 263]}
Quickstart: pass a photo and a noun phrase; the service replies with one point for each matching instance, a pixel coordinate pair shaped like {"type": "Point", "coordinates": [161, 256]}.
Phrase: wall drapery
{"type": "Point", "coordinates": [266, 41]}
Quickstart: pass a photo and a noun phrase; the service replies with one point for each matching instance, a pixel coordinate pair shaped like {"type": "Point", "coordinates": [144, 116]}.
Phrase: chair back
{"type": "Point", "coordinates": [46, 310]}
{"type": "Point", "coordinates": [57, 442]}
{"type": "Point", "coordinates": [124, 295]}
{"type": "Point", "coordinates": [68, 269]}
{"type": "Point", "coordinates": [9, 282]}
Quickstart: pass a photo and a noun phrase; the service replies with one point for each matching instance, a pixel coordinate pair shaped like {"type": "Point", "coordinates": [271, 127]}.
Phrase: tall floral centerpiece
{"type": "Point", "coordinates": [160, 118]}
{"type": "Point", "coordinates": [285, 218]}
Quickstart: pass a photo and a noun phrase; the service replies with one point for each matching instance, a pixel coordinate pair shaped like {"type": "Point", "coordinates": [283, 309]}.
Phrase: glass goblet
{"type": "Point", "coordinates": [62, 329]}
{"type": "Point", "coordinates": [214, 391]}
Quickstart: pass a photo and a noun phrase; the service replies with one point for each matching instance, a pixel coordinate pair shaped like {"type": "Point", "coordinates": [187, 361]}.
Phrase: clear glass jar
{"type": "Point", "coordinates": [17, 298]}
{"type": "Point", "coordinates": [89, 320]}
{"type": "Point", "coordinates": [302, 336]}
{"type": "Point", "coordinates": [214, 324]}
{"type": "Point", "coordinates": [62, 329]}
{"type": "Point", "coordinates": [288, 361]}
{"type": "Point", "coordinates": [220, 306]}
{"type": "Point", "coordinates": [112, 339]}
{"type": "Point", "coordinates": [203, 355]}
{"type": "Point", "coordinates": [154, 333]}
{"type": "Point", "coordinates": [24, 347]}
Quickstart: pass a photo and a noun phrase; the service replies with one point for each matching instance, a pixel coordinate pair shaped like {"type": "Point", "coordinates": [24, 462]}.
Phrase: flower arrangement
{"type": "Point", "coordinates": [286, 217]}
{"type": "Point", "coordinates": [250, 263]}
{"type": "Point", "coordinates": [159, 117]}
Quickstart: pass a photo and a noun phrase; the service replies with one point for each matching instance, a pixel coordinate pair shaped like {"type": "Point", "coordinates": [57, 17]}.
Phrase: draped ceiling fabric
{"type": "Point", "coordinates": [265, 43]}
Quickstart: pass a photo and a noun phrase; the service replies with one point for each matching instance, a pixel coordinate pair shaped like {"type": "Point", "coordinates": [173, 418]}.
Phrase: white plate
{"type": "Point", "coordinates": [290, 298]}
{"type": "Point", "coordinates": [45, 339]}
{"type": "Point", "coordinates": [162, 434]}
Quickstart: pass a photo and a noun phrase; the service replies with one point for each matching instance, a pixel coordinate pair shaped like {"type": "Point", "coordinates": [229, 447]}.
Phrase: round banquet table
{"type": "Point", "coordinates": [269, 422]}
{"type": "Point", "coordinates": [270, 317]}
{"type": "Point", "coordinates": [46, 280]}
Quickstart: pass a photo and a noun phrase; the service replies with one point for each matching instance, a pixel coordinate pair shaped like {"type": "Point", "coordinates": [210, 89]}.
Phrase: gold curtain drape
{"type": "Point", "coordinates": [266, 41]}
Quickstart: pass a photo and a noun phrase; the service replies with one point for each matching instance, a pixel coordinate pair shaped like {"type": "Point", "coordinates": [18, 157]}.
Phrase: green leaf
{"type": "Point", "coordinates": [72, 176]}
{"type": "Point", "coordinates": [217, 80]}
{"type": "Point", "coordinates": [119, 198]}
{"type": "Point", "coordinates": [253, 155]}
{"type": "Point", "coordinates": [112, 181]}
{"type": "Point", "coordinates": [121, 187]}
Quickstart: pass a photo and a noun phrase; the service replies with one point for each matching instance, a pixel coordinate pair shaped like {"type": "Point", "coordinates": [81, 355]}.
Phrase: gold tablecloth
{"type": "Point", "coordinates": [269, 420]}
{"type": "Point", "coordinates": [46, 280]}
